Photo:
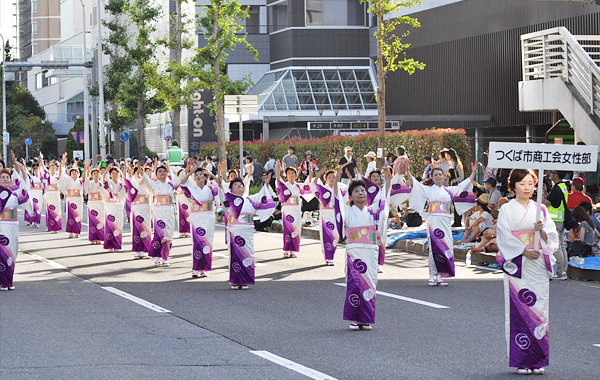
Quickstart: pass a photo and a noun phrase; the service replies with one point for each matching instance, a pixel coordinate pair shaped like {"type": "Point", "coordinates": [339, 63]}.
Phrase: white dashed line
{"type": "Point", "coordinates": [408, 299]}
{"type": "Point", "coordinates": [308, 372]}
{"type": "Point", "coordinates": [53, 264]}
{"type": "Point", "coordinates": [137, 300]}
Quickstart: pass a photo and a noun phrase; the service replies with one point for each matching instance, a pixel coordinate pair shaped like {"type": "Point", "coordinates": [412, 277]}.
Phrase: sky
{"type": "Point", "coordinates": [7, 20]}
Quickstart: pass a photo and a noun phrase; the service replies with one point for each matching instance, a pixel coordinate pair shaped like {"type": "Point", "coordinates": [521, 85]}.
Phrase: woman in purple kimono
{"type": "Point", "coordinates": [240, 227]}
{"type": "Point", "coordinates": [527, 269]}
{"type": "Point", "coordinates": [10, 201]}
{"type": "Point", "coordinates": [289, 196]}
{"type": "Point", "coordinates": [330, 213]}
{"type": "Point", "coordinates": [141, 216]}
{"type": "Point", "coordinates": [72, 187]}
{"type": "Point", "coordinates": [362, 251]}
{"type": "Point", "coordinates": [441, 201]}
{"type": "Point", "coordinates": [51, 196]}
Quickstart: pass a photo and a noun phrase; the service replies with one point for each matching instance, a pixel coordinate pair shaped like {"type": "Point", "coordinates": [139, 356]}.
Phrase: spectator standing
{"type": "Point", "coordinates": [576, 196]}
{"type": "Point", "coordinates": [456, 170]}
{"type": "Point", "coordinates": [427, 171]}
{"type": "Point", "coordinates": [346, 158]}
{"type": "Point", "coordinates": [556, 204]}
{"type": "Point", "coordinates": [257, 170]}
{"type": "Point", "coordinates": [175, 156]}
{"type": "Point", "coordinates": [371, 163]}
{"type": "Point", "coordinates": [290, 160]}
{"type": "Point", "coordinates": [308, 166]}
{"type": "Point", "coordinates": [389, 160]}
{"type": "Point", "coordinates": [271, 164]}
{"type": "Point", "coordinates": [443, 161]}
{"type": "Point", "coordinates": [401, 163]}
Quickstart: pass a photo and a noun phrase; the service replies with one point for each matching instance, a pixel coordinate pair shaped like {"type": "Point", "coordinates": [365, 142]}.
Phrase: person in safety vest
{"type": "Point", "coordinates": [556, 202]}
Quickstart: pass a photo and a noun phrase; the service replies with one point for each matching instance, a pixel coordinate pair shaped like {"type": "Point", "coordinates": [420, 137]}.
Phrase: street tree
{"type": "Point", "coordinates": [115, 45]}
{"type": "Point", "coordinates": [172, 81]}
{"type": "Point", "coordinates": [220, 24]}
{"type": "Point", "coordinates": [135, 98]}
{"type": "Point", "coordinates": [391, 51]}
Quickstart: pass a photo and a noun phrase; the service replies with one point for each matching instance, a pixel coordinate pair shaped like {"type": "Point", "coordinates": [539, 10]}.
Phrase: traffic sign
{"type": "Point", "coordinates": [28, 141]}
{"type": "Point", "coordinates": [6, 137]}
{"type": "Point", "coordinates": [124, 136]}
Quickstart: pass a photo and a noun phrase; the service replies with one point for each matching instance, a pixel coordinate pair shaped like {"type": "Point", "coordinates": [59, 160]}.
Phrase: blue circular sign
{"type": "Point", "coordinates": [124, 136]}
{"type": "Point", "coordinates": [28, 141]}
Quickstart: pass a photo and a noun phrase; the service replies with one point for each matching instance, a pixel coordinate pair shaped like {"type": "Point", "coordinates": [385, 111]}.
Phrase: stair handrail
{"type": "Point", "coordinates": [555, 52]}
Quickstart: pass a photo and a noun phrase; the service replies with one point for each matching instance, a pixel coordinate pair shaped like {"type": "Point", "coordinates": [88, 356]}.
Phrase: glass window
{"type": "Point", "coordinates": [335, 13]}
{"type": "Point", "coordinates": [34, 49]}
{"type": "Point", "coordinates": [278, 16]}
{"type": "Point", "coordinates": [34, 5]}
{"type": "Point", "coordinates": [34, 27]}
{"type": "Point", "coordinates": [253, 22]}
{"type": "Point", "coordinates": [38, 81]}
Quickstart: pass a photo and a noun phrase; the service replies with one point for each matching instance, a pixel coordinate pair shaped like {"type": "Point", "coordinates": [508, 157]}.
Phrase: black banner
{"type": "Point", "coordinates": [201, 124]}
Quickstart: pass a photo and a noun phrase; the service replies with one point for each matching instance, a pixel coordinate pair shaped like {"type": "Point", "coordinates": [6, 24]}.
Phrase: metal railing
{"type": "Point", "coordinates": [556, 53]}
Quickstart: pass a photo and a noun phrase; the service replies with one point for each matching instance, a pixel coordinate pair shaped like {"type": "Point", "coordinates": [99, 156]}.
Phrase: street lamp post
{"type": "Point", "coordinates": [101, 84]}
{"type": "Point", "coordinates": [86, 125]}
{"type": "Point", "coordinates": [4, 147]}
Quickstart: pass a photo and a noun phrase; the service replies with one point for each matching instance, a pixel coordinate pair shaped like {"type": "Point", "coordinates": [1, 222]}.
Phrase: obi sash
{"type": "Point", "coordinates": [140, 199]}
{"type": "Point", "coordinates": [202, 206]}
{"type": "Point", "coordinates": [37, 186]}
{"type": "Point", "coordinates": [440, 208]}
{"type": "Point", "coordinates": [8, 215]}
{"type": "Point", "coordinates": [525, 236]}
{"type": "Point", "coordinates": [245, 219]}
{"type": "Point", "coordinates": [293, 200]}
{"type": "Point", "coordinates": [114, 199]}
{"type": "Point", "coordinates": [74, 193]}
{"type": "Point", "coordinates": [94, 197]}
{"type": "Point", "coordinates": [52, 187]}
{"type": "Point", "coordinates": [163, 200]}
{"type": "Point", "coordinates": [362, 235]}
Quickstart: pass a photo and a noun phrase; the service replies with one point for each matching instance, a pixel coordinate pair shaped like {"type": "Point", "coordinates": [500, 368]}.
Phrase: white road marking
{"type": "Point", "coordinates": [408, 299]}
{"type": "Point", "coordinates": [308, 372]}
{"type": "Point", "coordinates": [53, 264]}
{"type": "Point", "coordinates": [137, 300]}
{"type": "Point", "coordinates": [597, 345]}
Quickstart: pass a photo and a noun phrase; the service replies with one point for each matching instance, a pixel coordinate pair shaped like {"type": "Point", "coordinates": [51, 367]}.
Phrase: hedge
{"type": "Point", "coordinates": [328, 150]}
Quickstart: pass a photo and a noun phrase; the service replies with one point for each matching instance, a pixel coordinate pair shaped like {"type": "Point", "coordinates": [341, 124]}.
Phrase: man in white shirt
{"type": "Point", "coordinates": [271, 164]}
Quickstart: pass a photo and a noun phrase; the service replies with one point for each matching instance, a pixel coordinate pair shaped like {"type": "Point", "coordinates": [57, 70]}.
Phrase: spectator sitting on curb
{"type": "Point", "coordinates": [488, 239]}
{"type": "Point", "coordinates": [479, 221]}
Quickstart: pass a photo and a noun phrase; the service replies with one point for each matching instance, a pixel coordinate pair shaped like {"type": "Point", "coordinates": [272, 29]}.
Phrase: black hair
{"type": "Point", "coordinates": [113, 169]}
{"type": "Point", "coordinates": [434, 169]}
{"type": "Point", "coordinates": [587, 206]}
{"type": "Point", "coordinates": [162, 167]}
{"type": "Point", "coordinates": [3, 163]}
{"type": "Point", "coordinates": [249, 159]}
{"type": "Point", "coordinates": [236, 179]}
{"type": "Point", "coordinates": [561, 174]}
{"type": "Point", "coordinates": [175, 143]}
{"type": "Point", "coordinates": [428, 158]}
{"type": "Point", "coordinates": [581, 215]}
{"type": "Point", "coordinates": [376, 171]}
{"type": "Point", "coordinates": [292, 148]}
{"type": "Point", "coordinates": [354, 184]}
{"type": "Point", "coordinates": [517, 175]}
{"type": "Point", "coordinates": [199, 170]}
{"type": "Point", "coordinates": [390, 155]}
{"type": "Point", "coordinates": [271, 155]}
{"type": "Point", "coordinates": [400, 150]}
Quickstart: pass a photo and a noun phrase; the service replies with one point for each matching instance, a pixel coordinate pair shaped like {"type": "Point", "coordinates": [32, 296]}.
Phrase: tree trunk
{"type": "Point", "coordinates": [178, 54]}
{"type": "Point", "coordinates": [380, 92]}
{"type": "Point", "coordinates": [139, 122]}
{"type": "Point", "coordinates": [220, 117]}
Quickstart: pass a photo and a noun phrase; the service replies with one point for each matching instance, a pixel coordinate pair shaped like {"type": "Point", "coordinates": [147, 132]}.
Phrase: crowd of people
{"type": "Point", "coordinates": [355, 204]}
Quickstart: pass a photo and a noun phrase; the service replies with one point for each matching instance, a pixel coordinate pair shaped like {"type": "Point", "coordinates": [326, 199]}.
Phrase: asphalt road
{"type": "Point", "coordinates": [63, 322]}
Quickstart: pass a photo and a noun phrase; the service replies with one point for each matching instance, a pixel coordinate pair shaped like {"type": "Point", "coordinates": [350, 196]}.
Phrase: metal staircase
{"type": "Point", "coordinates": [561, 73]}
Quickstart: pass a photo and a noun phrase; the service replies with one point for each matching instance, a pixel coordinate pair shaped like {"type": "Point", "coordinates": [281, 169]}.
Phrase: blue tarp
{"type": "Point", "coordinates": [417, 236]}
{"type": "Point", "coordinates": [591, 263]}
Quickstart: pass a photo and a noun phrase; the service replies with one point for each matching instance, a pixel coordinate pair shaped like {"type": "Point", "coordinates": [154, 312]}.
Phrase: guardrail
{"type": "Point", "coordinates": [556, 53]}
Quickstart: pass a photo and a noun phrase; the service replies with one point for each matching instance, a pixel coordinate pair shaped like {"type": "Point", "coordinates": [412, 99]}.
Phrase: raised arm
{"type": "Point", "coordinates": [278, 173]}
{"type": "Point", "coordinates": [319, 174]}
{"type": "Point", "coordinates": [338, 176]}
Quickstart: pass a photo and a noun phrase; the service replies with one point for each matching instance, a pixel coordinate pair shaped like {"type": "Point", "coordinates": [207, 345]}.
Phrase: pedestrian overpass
{"type": "Point", "coordinates": [561, 73]}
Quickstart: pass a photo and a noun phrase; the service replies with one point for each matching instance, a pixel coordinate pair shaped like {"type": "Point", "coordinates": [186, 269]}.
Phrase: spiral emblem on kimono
{"type": "Point", "coordinates": [263, 199]}
{"type": "Point", "coordinates": [328, 247]}
{"type": "Point", "coordinates": [360, 266]}
{"type": "Point", "coordinates": [9, 261]}
{"type": "Point", "coordinates": [226, 204]}
{"type": "Point", "coordinates": [161, 224]}
{"type": "Point", "coordinates": [184, 206]}
{"type": "Point", "coordinates": [71, 222]}
{"type": "Point", "coordinates": [329, 225]}
{"type": "Point", "coordinates": [206, 250]}
{"type": "Point", "coordinates": [236, 267]}
{"type": "Point", "coordinates": [239, 241]}
{"type": "Point", "coordinates": [51, 207]}
{"type": "Point", "coordinates": [510, 267]}
{"type": "Point", "coordinates": [438, 233]}
{"type": "Point", "coordinates": [527, 297]}
{"type": "Point", "coordinates": [109, 236]}
{"type": "Point", "coordinates": [327, 195]}
{"type": "Point", "coordinates": [523, 341]}
{"type": "Point", "coordinates": [137, 239]}
{"type": "Point", "coordinates": [463, 194]}
{"type": "Point", "coordinates": [287, 192]}
{"type": "Point", "coordinates": [52, 223]}
{"type": "Point", "coordinates": [372, 189]}
{"type": "Point", "coordinates": [143, 234]}
{"type": "Point", "coordinates": [439, 258]}
{"type": "Point", "coordinates": [237, 202]}
{"type": "Point", "coordinates": [247, 262]}
{"type": "Point", "coordinates": [396, 186]}
{"type": "Point", "coordinates": [156, 244]}
{"type": "Point", "coordinates": [368, 294]}
{"type": "Point", "coordinates": [287, 238]}
{"type": "Point", "coordinates": [132, 191]}
{"type": "Point", "coordinates": [73, 206]}
{"type": "Point", "coordinates": [35, 200]}
{"type": "Point", "coordinates": [93, 230]}
{"type": "Point", "coordinates": [540, 331]}
{"type": "Point", "coordinates": [289, 218]}
{"type": "Point", "coordinates": [94, 213]}
{"type": "Point", "coordinates": [4, 195]}
{"type": "Point", "coordinates": [139, 219]}
{"type": "Point", "coordinates": [111, 218]}
{"type": "Point", "coordinates": [4, 240]}
{"type": "Point", "coordinates": [200, 231]}
{"type": "Point", "coordinates": [197, 254]}
{"type": "Point", "coordinates": [354, 300]}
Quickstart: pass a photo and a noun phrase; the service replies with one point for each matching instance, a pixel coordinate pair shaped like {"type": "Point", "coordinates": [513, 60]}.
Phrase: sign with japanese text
{"type": "Point", "coordinates": [509, 155]}
{"type": "Point", "coordinates": [201, 124]}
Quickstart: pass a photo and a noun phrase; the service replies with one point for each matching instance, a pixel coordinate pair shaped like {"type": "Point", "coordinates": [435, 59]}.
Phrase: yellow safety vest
{"type": "Point", "coordinates": [558, 213]}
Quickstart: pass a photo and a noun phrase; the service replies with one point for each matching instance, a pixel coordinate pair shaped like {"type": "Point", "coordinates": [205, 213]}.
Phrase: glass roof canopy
{"type": "Point", "coordinates": [312, 88]}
